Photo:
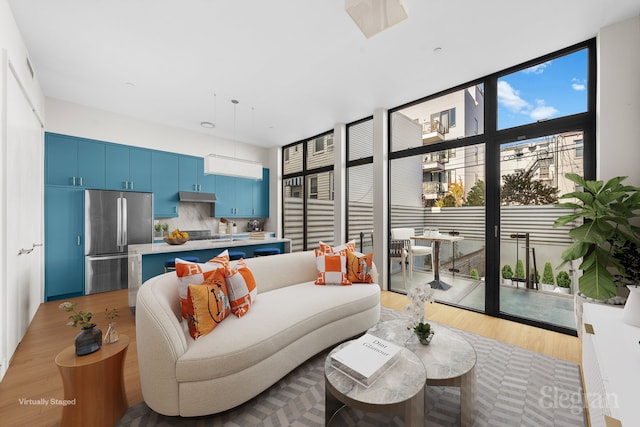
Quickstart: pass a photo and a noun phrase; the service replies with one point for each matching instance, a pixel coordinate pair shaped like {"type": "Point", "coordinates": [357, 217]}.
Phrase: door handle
{"type": "Point", "coordinates": [125, 238]}
{"type": "Point", "coordinates": [80, 181]}
{"type": "Point", "coordinates": [78, 240]}
{"type": "Point", "coordinates": [73, 181]}
{"type": "Point", "coordinates": [132, 185]}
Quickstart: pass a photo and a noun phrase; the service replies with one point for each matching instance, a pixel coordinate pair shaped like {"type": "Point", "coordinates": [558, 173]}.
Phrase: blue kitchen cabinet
{"type": "Point", "coordinates": [64, 242]}
{"type": "Point", "coordinates": [74, 162]}
{"type": "Point", "coordinates": [140, 169]}
{"type": "Point", "coordinates": [261, 196]}
{"type": "Point", "coordinates": [117, 165]}
{"type": "Point", "coordinates": [192, 176]}
{"type": "Point", "coordinates": [242, 197]}
{"type": "Point", "coordinates": [225, 196]}
{"type": "Point", "coordinates": [207, 182]}
{"type": "Point", "coordinates": [128, 168]}
{"type": "Point", "coordinates": [188, 173]}
{"type": "Point", "coordinates": [164, 183]}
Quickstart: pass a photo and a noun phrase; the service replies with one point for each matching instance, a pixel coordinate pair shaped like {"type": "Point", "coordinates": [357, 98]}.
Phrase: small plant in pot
{"type": "Point", "coordinates": [519, 275]}
{"type": "Point", "coordinates": [547, 278]}
{"type": "Point", "coordinates": [507, 274]}
{"type": "Point", "coordinates": [424, 332]}
{"type": "Point", "coordinates": [474, 274]}
{"type": "Point", "coordinates": [564, 282]}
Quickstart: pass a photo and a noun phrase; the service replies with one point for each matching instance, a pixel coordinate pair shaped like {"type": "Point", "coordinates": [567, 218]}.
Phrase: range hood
{"type": "Point", "coordinates": [192, 196]}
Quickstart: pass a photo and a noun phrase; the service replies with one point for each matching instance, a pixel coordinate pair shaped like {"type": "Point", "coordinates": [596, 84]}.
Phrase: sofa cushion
{"type": "Point", "coordinates": [193, 273]}
{"type": "Point", "coordinates": [328, 249]}
{"type": "Point", "coordinates": [241, 286]}
{"type": "Point", "coordinates": [332, 268]}
{"type": "Point", "coordinates": [242, 342]}
{"type": "Point", "coordinates": [359, 267]}
{"type": "Point", "coordinates": [209, 305]}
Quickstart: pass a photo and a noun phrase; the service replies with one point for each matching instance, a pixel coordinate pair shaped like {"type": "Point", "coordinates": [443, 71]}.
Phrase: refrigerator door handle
{"type": "Point", "coordinates": [124, 222]}
{"type": "Point", "coordinates": [119, 222]}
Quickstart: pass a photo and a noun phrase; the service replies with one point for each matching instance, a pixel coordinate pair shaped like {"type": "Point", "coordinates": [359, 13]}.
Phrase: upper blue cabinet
{"type": "Point", "coordinates": [242, 197]}
{"type": "Point", "coordinates": [192, 176]}
{"type": "Point", "coordinates": [128, 168]}
{"type": "Point", "coordinates": [164, 181]}
{"type": "Point", "coordinates": [74, 162]}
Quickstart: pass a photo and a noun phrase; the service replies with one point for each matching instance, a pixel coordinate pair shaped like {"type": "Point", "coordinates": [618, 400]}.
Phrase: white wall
{"type": "Point", "coordinates": [618, 109]}
{"type": "Point", "coordinates": [78, 120]}
{"type": "Point", "coordinates": [18, 301]}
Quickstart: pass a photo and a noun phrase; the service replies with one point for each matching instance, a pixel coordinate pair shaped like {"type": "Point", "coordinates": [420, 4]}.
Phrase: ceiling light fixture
{"type": "Point", "coordinates": [232, 166]}
{"type": "Point", "coordinates": [374, 16]}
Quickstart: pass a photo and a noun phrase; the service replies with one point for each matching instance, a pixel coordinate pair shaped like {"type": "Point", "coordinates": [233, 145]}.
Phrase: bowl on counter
{"type": "Point", "coordinates": [172, 241]}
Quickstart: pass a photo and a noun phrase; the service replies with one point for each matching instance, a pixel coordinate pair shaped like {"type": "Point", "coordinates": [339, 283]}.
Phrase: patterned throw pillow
{"type": "Point", "coordinates": [332, 268]}
{"type": "Point", "coordinates": [242, 288]}
{"type": "Point", "coordinates": [196, 273]}
{"type": "Point", "coordinates": [209, 305]}
{"type": "Point", "coordinates": [328, 249]}
{"type": "Point", "coordinates": [359, 267]}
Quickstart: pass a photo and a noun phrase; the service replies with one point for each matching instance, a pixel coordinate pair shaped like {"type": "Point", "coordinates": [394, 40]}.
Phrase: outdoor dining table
{"type": "Point", "coordinates": [437, 238]}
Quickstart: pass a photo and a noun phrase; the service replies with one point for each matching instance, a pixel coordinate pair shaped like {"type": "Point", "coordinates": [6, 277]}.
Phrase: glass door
{"type": "Point", "coordinates": [532, 178]}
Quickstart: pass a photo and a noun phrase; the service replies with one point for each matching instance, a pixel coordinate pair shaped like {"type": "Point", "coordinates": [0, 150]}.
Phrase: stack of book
{"type": "Point", "coordinates": [366, 358]}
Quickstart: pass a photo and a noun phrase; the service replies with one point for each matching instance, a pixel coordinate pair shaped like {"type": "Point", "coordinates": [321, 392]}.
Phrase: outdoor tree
{"type": "Point", "coordinates": [454, 197]}
{"type": "Point", "coordinates": [519, 274]}
{"type": "Point", "coordinates": [522, 189]}
{"type": "Point", "coordinates": [476, 196]}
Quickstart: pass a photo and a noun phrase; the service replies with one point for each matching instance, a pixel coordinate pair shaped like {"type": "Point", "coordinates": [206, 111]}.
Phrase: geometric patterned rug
{"type": "Point", "coordinates": [515, 387]}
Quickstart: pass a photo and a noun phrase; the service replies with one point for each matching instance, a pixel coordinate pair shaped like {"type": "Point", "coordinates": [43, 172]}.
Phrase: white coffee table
{"type": "Point", "coordinates": [450, 360]}
{"type": "Point", "coordinates": [400, 390]}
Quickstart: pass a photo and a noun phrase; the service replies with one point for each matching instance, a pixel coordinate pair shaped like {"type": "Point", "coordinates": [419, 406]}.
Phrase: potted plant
{"type": "Point", "coordinates": [547, 278]}
{"type": "Point", "coordinates": [474, 274]}
{"type": "Point", "coordinates": [606, 209]}
{"type": "Point", "coordinates": [564, 282]}
{"type": "Point", "coordinates": [507, 274]}
{"type": "Point", "coordinates": [424, 332]}
{"type": "Point", "coordinates": [519, 274]}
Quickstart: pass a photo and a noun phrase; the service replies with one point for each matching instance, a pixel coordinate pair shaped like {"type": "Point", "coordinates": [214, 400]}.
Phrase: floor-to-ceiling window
{"type": "Point", "coordinates": [437, 185]}
{"type": "Point", "coordinates": [308, 192]}
{"type": "Point", "coordinates": [487, 162]}
{"type": "Point", "coordinates": [360, 184]}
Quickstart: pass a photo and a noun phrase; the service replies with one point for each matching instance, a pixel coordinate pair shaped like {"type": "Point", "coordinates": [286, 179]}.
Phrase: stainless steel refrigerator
{"type": "Point", "coordinates": [113, 220]}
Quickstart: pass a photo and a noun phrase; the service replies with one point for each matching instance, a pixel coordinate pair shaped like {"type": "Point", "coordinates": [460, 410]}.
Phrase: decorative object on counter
{"type": "Point", "coordinates": [158, 228]}
{"type": "Point", "coordinates": [111, 335]}
{"type": "Point", "coordinates": [177, 237]}
{"type": "Point", "coordinates": [418, 296]}
{"type": "Point", "coordinates": [89, 339]}
{"type": "Point", "coordinates": [222, 226]}
{"type": "Point", "coordinates": [165, 228]}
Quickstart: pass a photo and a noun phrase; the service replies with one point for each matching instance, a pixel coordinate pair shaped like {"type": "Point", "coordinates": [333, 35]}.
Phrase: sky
{"type": "Point", "coordinates": [548, 90]}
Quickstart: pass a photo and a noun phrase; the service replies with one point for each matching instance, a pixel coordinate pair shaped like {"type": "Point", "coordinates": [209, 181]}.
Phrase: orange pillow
{"type": "Point", "coordinates": [193, 273]}
{"type": "Point", "coordinates": [209, 305]}
{"type": "Point", "coordinates": [328, 249]}
{"type": "Point", "coordinates": [332, 268]}
{"type": "Point", "coordinates": [242, 288]}
{"type": "Point", "coordinates": [359, 267]}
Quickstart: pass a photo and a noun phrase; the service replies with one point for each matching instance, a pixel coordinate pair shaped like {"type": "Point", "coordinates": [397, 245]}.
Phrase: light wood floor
{"type": "Point", "coordinates": [33, 375]}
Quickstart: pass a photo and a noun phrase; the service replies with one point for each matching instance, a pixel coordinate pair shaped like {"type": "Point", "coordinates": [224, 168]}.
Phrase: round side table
{"type": "Point", "coordinates": [94, 385]}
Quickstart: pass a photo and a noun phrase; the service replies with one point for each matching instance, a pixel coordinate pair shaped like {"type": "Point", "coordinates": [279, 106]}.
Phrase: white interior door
{"type": "Point", "coordinates": [23, 214]}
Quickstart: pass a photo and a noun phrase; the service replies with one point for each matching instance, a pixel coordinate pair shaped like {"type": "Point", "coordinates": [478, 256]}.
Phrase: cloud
{"type": "Point", "coordinates": [510, 97]}
{"type": "Point", "coordinates": [542, 111]}
{"type": "Point", "coordinates": [537, 69]}
{"type": "Point", "coordinates": [577, 85]}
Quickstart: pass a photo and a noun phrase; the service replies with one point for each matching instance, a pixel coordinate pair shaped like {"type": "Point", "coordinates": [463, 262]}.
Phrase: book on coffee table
{"type": "Point", "coordinates": [366, 358]}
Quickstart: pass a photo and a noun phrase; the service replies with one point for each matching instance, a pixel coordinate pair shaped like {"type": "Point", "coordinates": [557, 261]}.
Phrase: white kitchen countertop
{"type": "Point", "coordinates": [196, 245]}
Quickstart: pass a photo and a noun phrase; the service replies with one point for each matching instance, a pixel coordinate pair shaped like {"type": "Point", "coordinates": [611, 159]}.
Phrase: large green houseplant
{"type": "Point", "coordinates": [606, 209]}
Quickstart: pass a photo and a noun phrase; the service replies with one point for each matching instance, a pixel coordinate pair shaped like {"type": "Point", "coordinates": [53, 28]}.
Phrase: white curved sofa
{"type": "Point", "coordinates": [291, 320]}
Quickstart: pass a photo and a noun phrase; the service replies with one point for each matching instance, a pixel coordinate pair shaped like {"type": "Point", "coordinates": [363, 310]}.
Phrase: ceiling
{"type": "Point", "coordinates": [297, 67]}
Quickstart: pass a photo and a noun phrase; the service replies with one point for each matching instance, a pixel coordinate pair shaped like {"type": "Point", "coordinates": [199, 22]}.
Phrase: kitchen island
{"type": "Point", "coordinates": [147, 260]}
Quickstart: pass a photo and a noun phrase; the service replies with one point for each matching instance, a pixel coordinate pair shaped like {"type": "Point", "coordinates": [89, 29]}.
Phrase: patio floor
{"type": "Point", "coordinates": [549, 307]}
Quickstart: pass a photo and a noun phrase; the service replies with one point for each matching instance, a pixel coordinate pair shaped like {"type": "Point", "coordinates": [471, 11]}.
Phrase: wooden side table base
{"type": "Point", "coordinates": [94, 385]}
